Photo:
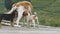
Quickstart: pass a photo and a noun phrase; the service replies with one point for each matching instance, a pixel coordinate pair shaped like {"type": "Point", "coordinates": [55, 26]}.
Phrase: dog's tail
{"type": "Point", "coordinates": [35, 13]}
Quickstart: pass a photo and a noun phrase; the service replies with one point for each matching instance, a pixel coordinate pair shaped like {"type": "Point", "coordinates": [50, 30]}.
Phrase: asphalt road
{"type": "Point", "coordinates": [29, 30]}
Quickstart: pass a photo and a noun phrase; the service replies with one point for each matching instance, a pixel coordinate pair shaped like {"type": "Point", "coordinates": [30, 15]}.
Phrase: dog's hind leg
{"type": "Point", "coordinates": [20, 11]}
{"type": "Point", "coordinates": [0, 21]}
{"type": "Point", "coordinates": [37, 21]}
{"type": "Point", "coordinates": [18, 18]}
{"type": "Point", "coordinates": [0, 24]}
{"type": "Point", "coordinates": [1, 16]}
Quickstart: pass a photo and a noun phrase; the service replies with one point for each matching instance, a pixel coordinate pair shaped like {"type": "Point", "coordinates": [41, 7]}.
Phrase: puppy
{"type": "Point", "coordinates": [32, 19]}
{"type": "Point", "coordinates": [9, 17]}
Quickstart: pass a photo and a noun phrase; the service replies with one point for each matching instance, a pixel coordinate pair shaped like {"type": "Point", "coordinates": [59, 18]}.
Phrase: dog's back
{"type": "Point", "coordinates": [7, 16]}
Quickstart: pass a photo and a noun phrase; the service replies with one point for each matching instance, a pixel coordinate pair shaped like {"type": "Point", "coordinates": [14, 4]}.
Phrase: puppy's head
{"type": "Point", "coordinates": [25, 13]}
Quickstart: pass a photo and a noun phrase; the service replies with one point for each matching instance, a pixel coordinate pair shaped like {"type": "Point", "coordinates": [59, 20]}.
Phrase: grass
{"type": "Point", "coordinates": [48, 11]}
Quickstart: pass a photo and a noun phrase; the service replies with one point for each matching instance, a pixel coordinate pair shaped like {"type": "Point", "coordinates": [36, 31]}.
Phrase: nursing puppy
{"type": "Point", "coordinates": [32, 19]}
{"type": "Point", "coordinates": [9, 17]}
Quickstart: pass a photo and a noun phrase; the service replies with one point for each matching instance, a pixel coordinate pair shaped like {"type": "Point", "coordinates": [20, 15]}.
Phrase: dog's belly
{"type": "Point", "coordinates": [5, 18]}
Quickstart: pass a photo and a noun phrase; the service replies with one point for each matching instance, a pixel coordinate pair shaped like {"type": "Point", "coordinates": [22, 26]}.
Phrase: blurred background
{"type": "Point", "coordinates": [48, 11]}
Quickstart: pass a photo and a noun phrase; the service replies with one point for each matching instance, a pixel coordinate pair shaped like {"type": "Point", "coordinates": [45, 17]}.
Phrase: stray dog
{"type": "Point", "coordinates": [32, 19]}
{"type": "Point", "coordinates": [9, 17]}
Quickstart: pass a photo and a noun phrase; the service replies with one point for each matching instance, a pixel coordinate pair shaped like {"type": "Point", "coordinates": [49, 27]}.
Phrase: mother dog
{"type": "Point", "coordinates": [21, 7]}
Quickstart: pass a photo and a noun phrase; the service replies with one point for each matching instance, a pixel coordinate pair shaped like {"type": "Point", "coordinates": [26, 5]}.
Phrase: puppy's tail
{"type": "Point", "coordinates": [35, 13]}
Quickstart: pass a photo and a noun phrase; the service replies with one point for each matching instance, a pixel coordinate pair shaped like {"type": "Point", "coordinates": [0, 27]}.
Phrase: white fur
{"type": "Point", "coordinates": [20, 11]}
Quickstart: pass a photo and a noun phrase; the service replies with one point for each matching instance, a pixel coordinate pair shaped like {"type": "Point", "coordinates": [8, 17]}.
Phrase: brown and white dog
{"type": "Point", "coordinates": [31, 19]}
{"type": "Point", "coordinates": [21, 7]}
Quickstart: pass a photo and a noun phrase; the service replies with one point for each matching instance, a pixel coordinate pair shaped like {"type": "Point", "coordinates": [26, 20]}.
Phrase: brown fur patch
{"type": "Point", "coordinates": [34, 17]}
{"type": "Point", "coordinates": [26, 5]}
{"type": "Point", "coordinates": [23, 3]}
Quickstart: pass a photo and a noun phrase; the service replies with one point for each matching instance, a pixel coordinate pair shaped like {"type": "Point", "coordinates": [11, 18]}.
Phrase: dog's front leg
{"type": "Point", "coordinates": [28, 22]}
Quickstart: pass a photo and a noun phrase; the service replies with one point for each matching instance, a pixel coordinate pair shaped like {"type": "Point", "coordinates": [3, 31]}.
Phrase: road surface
{"type": "Point", "coordinates": [29, 30]}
